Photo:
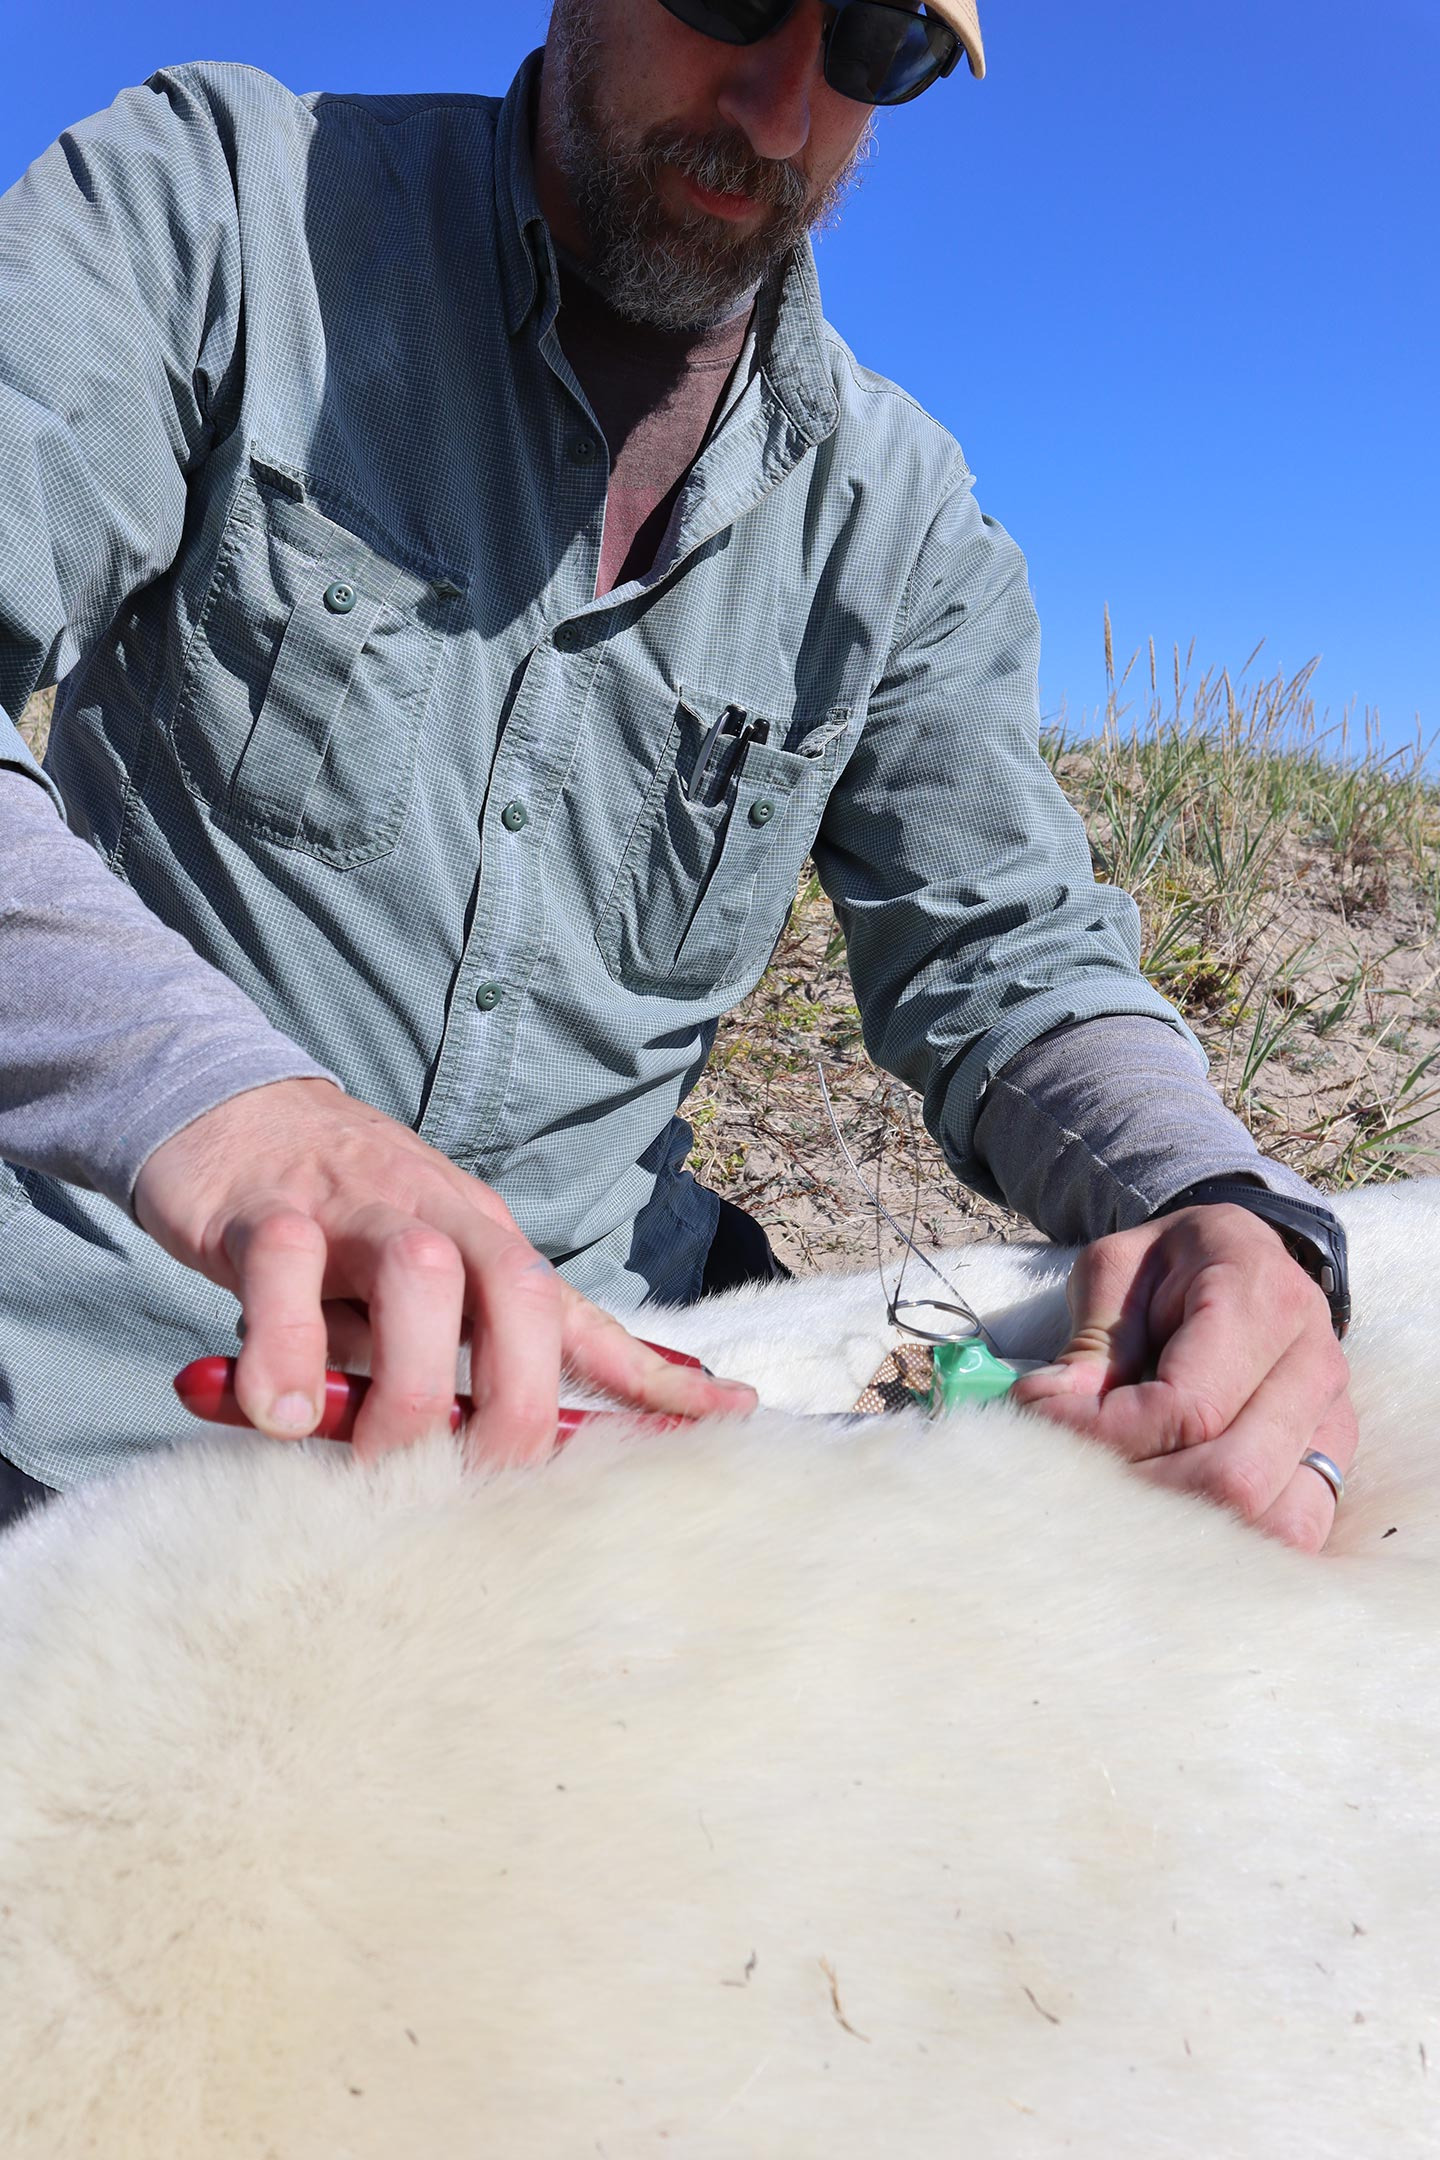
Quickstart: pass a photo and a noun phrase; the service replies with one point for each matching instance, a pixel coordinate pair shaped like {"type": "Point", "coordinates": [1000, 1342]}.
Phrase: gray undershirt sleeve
{"type": "Point", "coordinates": [1097, 1124]}
{"type": "Point", "coordinates": [114, 1033]}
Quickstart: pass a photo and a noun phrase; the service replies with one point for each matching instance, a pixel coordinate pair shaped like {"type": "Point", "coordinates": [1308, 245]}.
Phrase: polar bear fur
{"type": "Point", "coordinates": [761, 1790]}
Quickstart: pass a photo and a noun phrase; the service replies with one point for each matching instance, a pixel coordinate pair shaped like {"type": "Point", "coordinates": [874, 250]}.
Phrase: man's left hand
{"type": "Point", "coordinates": [1204, 1354]}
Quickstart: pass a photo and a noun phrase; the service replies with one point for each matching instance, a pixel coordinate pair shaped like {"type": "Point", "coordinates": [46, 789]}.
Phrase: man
{"type": "Point", "coordinates": [482, 577]}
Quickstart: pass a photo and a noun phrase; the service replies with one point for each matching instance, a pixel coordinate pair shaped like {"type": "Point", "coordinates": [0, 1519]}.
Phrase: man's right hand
{"type": "Point", "coordinates": [293, 1194]}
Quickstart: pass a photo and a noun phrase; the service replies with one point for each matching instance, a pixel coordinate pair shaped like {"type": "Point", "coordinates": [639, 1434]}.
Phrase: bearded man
{"type": "Point", "coordinates": [479, 578]}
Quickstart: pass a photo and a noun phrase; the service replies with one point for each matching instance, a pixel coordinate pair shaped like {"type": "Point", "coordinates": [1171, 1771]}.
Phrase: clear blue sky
{"type": "Point", "coordinates": [1171, 275]}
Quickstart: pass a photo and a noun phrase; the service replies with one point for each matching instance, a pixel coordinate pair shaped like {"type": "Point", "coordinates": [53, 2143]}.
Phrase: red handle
{"type": "Point", "coordinates": [207, 1390]}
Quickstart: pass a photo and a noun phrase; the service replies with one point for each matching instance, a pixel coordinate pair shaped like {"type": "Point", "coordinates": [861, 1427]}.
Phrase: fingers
{"type": "Point", "coordinates": [531, 1325]}
{"type": "Point", "coordinates": [1109, 1293]}
{"type": "Point", "coordinates": [278, 1258]}
{"type": "Point", "coordinates": [1210, 1301]}
{"type": "Point", "coordinates": [1304, 1514]}
{"type": "Point", "coordinates": [526, 1326]}
{"type": "Point", "coordinates": [600, 1350]}
{"type": "Point", "coordinates": [1204, 1355]}
{"type": "Point", "coordinates": [1252, 1321]}
{"type": "Point", "coordinates": [348, 1238]}
{"type": "Point", "coordinates": [515, 1354]}
{"type": "Point", "coordinates": [412, 1287]}
{"type": "Point", "coordinates": [1301, 1404]}
{"type": "Point", "coordinates": [412, 1279]}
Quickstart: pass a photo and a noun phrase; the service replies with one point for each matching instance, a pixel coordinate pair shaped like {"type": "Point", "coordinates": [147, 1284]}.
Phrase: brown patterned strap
{"type": "Point", "coordinates": [904, 1376]}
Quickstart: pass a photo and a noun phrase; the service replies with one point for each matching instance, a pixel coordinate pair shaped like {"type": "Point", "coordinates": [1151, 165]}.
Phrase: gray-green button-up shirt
{"type": "Point", "coordinates": [303, 501]}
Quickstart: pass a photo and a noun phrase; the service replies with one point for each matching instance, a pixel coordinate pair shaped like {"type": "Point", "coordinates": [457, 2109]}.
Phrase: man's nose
{"type": "Point", "coordinates": [767, 89]}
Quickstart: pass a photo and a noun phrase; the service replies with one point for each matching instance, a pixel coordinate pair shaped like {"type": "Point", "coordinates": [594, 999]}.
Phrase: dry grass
{"type": "Point", "coordinates": [1289, 884]}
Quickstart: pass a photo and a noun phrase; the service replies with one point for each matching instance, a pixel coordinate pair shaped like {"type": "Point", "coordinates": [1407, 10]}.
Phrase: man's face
{"type": "Point", "coordinates": [680, 168]}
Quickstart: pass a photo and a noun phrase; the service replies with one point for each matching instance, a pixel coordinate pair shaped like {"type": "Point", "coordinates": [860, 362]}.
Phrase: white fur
{"type": "Point", "coordinates": [413, 1814]}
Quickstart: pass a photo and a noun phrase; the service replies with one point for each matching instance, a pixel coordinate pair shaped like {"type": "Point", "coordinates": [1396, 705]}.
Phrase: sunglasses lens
{"type": "Point", "coordinates": [878, 52]}
{"type": "Point", "coordinates": [883, 55]}
{"type": "Point", "coordinates": [734, 22]}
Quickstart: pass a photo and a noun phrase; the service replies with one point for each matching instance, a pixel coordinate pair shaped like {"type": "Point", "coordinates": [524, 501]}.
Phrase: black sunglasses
{"type": "Point", "coordinates": [875, 51]}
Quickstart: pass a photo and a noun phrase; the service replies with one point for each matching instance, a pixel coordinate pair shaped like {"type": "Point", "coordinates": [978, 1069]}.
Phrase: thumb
{"type": "Point", "coordinates": [1109, 1343]}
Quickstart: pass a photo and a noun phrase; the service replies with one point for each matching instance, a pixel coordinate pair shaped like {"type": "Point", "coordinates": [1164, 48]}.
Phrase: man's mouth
{"type": "Point", "coordinates": [737, 208]}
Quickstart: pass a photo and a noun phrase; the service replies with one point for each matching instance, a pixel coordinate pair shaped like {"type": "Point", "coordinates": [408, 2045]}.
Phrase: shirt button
{"type": "Point", "coordinates": [340, 598]}
{"type": "Point", "coordinates": [583, 450]}
{"type": "Point", "coordinates": [514, 815]}
{"type": "Point", "coordinates": [761, 812]}
{"type": "Point", "coordinates": [567, 637]}
{"type": "Point", "coordinates": [488, 996]}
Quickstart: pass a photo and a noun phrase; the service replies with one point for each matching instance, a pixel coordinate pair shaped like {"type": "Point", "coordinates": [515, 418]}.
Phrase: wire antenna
{"type": "Point", "coordinates": [894, 1303]}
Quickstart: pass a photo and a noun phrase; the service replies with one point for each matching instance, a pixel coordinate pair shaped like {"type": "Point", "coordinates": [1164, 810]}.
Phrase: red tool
{"type": "Point", "coordinates": [207, 1389]}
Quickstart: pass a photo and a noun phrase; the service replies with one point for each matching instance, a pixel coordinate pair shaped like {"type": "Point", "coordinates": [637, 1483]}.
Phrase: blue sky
{"type": "Point", "coordinates": [1170, 275]}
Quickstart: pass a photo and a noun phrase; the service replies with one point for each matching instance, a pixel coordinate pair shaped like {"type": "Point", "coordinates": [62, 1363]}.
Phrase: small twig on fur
{"type": "Point", "coordinates": [1048, 2014]}
{"type": "Point", "coordinates": [840, 2018]}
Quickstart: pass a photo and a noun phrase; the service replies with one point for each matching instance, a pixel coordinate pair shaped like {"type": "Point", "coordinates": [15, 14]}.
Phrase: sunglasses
{"type": "Point", "coordinates": [875, 51]}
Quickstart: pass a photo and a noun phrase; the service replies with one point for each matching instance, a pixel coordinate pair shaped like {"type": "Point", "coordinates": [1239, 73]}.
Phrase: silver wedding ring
{"type": "Point", "coordinates": [1331, 1472]}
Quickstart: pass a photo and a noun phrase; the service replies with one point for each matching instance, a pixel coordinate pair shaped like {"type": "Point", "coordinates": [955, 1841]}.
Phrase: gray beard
{"type": "Point", "coordinates": [674, 274]}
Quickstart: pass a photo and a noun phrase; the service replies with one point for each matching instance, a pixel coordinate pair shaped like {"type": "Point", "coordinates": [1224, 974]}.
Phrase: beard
{"type": "Point", "coordinates": [683, 271]}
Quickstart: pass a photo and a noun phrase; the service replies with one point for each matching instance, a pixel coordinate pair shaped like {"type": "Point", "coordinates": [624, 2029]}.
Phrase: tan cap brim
{"type": "Point", "coordinates": [965, 22]}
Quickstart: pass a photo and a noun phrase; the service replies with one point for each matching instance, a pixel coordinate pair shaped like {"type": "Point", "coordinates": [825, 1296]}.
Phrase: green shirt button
{"type": "Point", "coordinates": [567, 637]}
{"type": "Point", "coordinates": [340, 598]}
{"type": "Point", "coordinates": [488, 996]}
{"type": "Point", "coordinates": [761, 812]}
{"type": "Point", "coordinates": [514, 815]}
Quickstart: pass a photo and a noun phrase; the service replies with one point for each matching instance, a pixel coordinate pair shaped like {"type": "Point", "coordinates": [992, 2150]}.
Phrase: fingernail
{"type": "Point", "coordinates": [293, 1413]}
{"type": "Point", "coordinates": [1046, 1372]}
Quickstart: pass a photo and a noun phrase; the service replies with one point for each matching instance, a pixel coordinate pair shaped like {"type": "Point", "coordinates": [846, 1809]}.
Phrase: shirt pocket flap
{"type": "Point", "coordinates": [310, 666]}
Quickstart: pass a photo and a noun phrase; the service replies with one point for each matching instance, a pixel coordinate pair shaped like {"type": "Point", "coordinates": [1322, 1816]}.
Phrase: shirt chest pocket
{"type": "Point", "coordinates": [709, 873]}
{"type": "Point", "coordinates": [306, 680]}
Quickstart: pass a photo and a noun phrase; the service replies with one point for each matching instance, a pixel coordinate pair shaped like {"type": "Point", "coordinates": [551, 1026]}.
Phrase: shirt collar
{"type": "Point", "coordinates": [527, 262]}
{"type": "Point", "coordinates": [790, 324]}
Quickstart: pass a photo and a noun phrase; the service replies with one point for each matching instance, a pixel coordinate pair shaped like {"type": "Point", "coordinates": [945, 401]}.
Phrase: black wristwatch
{"type": "Point", "coordinates": [1311, 1234]}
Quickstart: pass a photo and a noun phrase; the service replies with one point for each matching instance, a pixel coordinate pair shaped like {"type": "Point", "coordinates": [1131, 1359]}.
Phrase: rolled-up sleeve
{"type": "Point", "coordinates": [119, 327]}
{"type": "Point", "coordinates": [959, 873]}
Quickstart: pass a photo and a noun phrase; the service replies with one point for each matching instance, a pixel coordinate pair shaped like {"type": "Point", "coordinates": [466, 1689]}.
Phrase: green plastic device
{"type": "Point", "coordinates": [966, 1372]}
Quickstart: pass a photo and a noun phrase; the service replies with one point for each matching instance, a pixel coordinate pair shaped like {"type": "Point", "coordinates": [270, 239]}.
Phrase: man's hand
{"type": "Point", "coordinates": [293, 1194]}
{"type": "Point", "coordinates": [1204, 1354]}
